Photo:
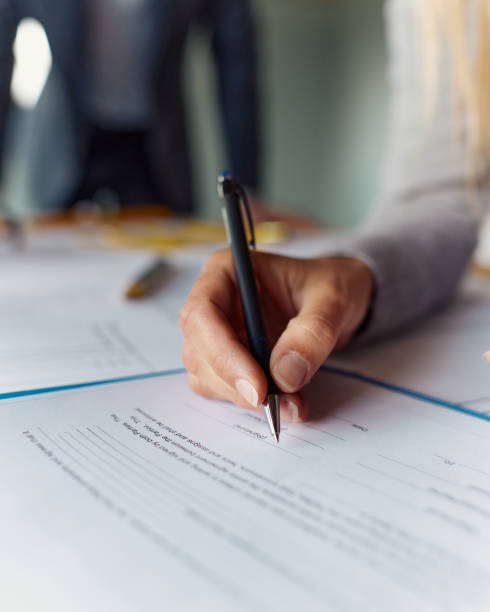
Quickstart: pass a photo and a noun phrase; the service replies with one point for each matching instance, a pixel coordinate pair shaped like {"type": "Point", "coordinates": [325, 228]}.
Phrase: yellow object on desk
{"type": "Point", "coordinates": [150, 280]}
{"type": "Point", "coordinates": [171, 234]}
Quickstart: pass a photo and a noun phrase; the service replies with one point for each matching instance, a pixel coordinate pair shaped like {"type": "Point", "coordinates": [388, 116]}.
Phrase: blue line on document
{"type": "Point", "coordinates": [424, 397]}
{"type": "Point", "coordinates": [94, 383]}
{"type": "Point", "coordinates": [409, 392]}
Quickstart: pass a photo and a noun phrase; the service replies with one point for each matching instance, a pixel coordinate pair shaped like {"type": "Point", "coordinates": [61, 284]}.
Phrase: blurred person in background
{"type": "Point", "coordinates": [406, 261]}
{"type": "Point", "coordinates": [111, 116]}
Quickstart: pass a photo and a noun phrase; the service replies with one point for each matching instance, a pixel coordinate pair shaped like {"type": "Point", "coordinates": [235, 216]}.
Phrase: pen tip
{"type": "Point", "coordinates": [272, 415]}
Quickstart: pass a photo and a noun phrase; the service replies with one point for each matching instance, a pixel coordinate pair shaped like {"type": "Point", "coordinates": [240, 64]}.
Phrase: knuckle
{"type": "Point", "coordinates": [219, 363]}
{"type": "Point", "coordinates": [321, 328]}
{"type": "Point", "coordinates": [200, 387]}
{"type": "Point", "coordinates": [217, 259]}
{"type": "Point", "coordinates": [188, 357]}
{"type": "Point", "coordinates": [339, 302]}
{"type": "Point", "coordinates": [189, 314]}
{"type": "Point", "coordinates": [184, 314]}
{"type": "Point", "coordinates": [195, 384]}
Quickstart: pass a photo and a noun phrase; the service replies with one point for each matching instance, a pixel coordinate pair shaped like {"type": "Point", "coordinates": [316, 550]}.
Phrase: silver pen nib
{"type": "Point", "coordinates": [272, 414]}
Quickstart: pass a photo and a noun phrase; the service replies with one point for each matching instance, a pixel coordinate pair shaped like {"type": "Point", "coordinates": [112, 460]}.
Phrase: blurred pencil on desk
{"type": "Point", "coordinates": [151, 280]}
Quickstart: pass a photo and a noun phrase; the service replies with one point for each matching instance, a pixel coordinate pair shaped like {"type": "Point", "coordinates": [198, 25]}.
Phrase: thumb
{"type": "Point", "coordinates": [308, 339]}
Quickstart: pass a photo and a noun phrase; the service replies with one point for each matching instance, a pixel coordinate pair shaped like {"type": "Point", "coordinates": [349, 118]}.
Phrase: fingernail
{"type": "Point", "coordinates": [291, 371]}
{"type": "Point", "coordinates": [487, 356]}
{"type": "Point", "coordinates": [247, 391]}
{"type": "Point", "coordinates": [293, 412]}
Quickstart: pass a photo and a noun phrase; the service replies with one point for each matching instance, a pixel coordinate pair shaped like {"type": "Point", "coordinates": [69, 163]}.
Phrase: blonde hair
{"type": "Point", "coordinates": [464, 27]}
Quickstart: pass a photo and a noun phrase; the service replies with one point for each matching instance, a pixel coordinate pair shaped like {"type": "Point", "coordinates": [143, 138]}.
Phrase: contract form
{"type": "Point", "coordinates": [141, 495]}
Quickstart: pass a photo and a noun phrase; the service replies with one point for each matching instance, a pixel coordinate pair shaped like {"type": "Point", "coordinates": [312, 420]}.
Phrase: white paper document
{"type": "Point", "coordinates": [442, 356]}
{"type": "Point", "coordinates": [64, 320]}
{"type": "Point", "coordinates": [140, 495]}
{"type": "Point", "coordinates": [52, 353]}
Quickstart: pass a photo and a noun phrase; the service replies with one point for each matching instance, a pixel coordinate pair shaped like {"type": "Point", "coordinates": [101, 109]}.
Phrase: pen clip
{"type": "Point", "coordinates": [243, 196]}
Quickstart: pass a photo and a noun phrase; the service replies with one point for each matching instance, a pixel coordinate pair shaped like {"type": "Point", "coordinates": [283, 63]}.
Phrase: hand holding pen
{"type": "Point", "coordinates": [309, 307]}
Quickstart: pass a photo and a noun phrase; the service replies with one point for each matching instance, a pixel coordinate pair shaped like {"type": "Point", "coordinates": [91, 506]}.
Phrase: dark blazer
{"type": "Point", "coordinates": [49, 144]}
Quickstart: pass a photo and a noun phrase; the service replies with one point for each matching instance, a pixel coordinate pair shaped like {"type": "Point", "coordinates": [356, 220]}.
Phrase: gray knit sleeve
{"type": "Point", "coordinates": [423, 229]}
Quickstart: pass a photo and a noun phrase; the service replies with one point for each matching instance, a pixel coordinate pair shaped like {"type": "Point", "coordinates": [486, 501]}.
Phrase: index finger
{"type": "Point", "coordinates": [206, 322]}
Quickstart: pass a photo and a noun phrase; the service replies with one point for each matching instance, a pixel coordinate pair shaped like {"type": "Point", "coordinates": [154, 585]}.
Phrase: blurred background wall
{"type": "Point", "coordinates": [322, 68]}
{"type": "Point", "coordinates": [323, 74]}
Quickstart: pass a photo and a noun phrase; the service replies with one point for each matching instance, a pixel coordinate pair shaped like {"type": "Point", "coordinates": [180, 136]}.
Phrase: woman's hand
{"type": "Point", "coordinates": [310, 307]}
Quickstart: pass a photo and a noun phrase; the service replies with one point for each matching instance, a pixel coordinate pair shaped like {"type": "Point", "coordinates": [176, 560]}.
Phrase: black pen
{"type": "Point", "coordinates": [233, 196]}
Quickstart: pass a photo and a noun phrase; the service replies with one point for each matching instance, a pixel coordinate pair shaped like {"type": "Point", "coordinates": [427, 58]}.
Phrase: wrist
{"type": "Point", "coordinates": [359, 287]}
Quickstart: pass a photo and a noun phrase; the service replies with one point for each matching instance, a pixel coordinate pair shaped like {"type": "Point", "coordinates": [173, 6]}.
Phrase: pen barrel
{"type": "Point", "coordinates": [247, 287]}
